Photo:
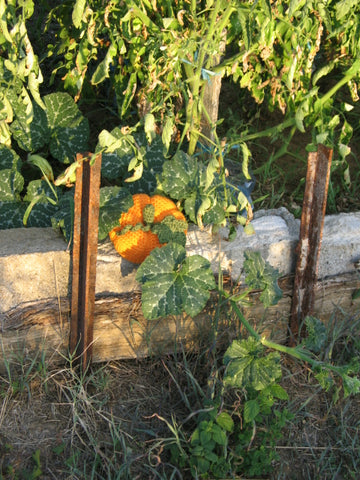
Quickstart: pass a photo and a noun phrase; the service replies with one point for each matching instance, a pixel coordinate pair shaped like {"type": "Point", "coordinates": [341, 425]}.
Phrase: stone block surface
{"type": "Point", "coordinates": [35, 262]}
{"type": "Point", "coordinates": [34, 265]}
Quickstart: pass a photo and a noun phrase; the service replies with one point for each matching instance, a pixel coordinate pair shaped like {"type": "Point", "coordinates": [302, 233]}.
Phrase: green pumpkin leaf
{"type": "Point", "coordinates": [172, 283]}
{"type": "Point", "coordinates": [121, 152]}
{"type": "Point", "coordinates": [64, 216]}
{"type": "Point", "coordinates": [11, 184]}
{"type": "Point", "coordinates": [113, 202]}
{"type": "Point", "coordinates": [117, 155]}
{"type": "Point", "coordinates": [215, 215]}
{"type": "Point", "coordinates": [41, 188]}
{"type": "Point", "coordinates": [170, 229]}
{"type": "Point", "coordinates": [249, 367]}
{"type": "Point", "coordinates": [41, 214]}
{"type": "Point", "coordinates": [12, 214]}
{"type": "Point", "coordinates": [261, 275]}
{"type": "Point", "coordinates": [69, 128]}
{"type": "Point", "coordinates": [34, 135]}
{"type": "Point", "coordinates": [180, 175]}
{"type": "Point", "coordinates": [9, 159]}
{"type": "Point", "coordinates": [184, 178]}
{"type": "Point", "coordinates": [153, 164]}
{"type": "Point", "coordinates": [42, 199]}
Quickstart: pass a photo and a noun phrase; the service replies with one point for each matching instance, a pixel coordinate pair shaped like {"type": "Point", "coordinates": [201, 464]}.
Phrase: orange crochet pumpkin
{"type": "Point", "coordinates": [135, 245]}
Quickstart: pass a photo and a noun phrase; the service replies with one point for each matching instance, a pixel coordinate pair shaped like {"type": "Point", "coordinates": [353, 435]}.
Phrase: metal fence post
{"type": "Point", "coordinates": [84, 256]}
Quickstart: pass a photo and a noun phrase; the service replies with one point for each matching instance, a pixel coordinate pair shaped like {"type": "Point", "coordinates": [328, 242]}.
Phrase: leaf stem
{"type": "Point", "coordinates": [269, 132]}
{"type": "Point", "coordinates": [292, 351]}
{"type": "Point", "coordinates": [351, 72]}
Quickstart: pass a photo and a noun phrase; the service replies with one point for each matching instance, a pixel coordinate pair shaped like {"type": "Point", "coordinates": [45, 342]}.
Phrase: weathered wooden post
{"type": "Point", "coordinates": [311, 228]}
{"type": "Point", "coordinates": [84, 255]}
{"type": "Point", "coordinates": [211, 97]}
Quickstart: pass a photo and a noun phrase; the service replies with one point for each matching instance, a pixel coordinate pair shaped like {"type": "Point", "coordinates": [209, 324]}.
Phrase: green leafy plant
{"type": "Point", "coordinates": [59, 131]}
{"type": "Point", "coordinates": [173, 283]}
{"type": "Point", "coordinates": [164, 57]}
{"type": "Point", "coordinates": [242, 419]}
{"type": "Point", "coordinates": [209, 443]}
{"type": "Point", "coordinates": [19, 67]}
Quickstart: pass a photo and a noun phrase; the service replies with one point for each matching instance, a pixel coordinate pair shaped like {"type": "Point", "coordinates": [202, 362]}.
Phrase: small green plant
{"type": "Point", "coordinates": [21, 371]}
{"type": "Point", "coordinates": [239, 436]}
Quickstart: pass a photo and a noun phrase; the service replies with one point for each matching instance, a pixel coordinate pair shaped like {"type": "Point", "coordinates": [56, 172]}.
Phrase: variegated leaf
{"type": "Point", "coordinates": [173, 283]}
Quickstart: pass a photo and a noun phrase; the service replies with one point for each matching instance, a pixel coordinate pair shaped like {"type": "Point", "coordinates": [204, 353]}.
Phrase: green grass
{"type": "Point", "coordinates": [122, 419]}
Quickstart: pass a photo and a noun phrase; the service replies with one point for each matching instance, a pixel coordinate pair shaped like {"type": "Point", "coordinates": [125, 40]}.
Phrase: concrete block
{"type": "Point", "coordinates": [34, 265]}
{"type": "Point", "coordinates": [340, 247]}
{"type": "Point", "coordinates": [35, 262]}
{"type": "Point", "coordinates": [35, 283]}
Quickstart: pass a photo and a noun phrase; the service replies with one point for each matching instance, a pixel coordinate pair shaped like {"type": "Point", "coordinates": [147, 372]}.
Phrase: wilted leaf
{"type": "Point", "coordinates": [167, 132]}
{"type": "Point", "coordinates": [102, 70]}
{"type": "Point", "coordinates": [129, 93]}
{"type": "Point", "coordinates": [150, 127]}
{"type": "Point", "coordinates": [78, 12]}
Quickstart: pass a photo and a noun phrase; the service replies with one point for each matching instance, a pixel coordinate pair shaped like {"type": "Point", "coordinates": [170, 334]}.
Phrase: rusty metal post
{"type": "Point", "coordinates": [84, 255]}
{"type": "Point", "coordinates": [308, 248]}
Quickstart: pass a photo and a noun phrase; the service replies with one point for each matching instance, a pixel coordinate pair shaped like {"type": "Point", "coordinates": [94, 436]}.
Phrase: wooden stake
{"type": "Point", "coordinates": [308, 248]}
{"type": "Point", "coordinates": [84, 255]}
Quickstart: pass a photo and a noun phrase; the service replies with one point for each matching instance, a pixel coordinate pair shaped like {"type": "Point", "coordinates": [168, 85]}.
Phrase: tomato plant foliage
{"type": "Point", "coordinates": [158, 59]}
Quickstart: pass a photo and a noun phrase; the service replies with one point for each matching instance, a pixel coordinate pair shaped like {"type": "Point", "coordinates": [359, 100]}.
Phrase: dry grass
{"type": "Point", "coordinates": [105, 424]}
{"type": "Point", "coordinates": [113, 423]}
